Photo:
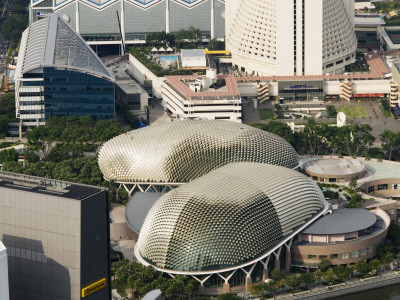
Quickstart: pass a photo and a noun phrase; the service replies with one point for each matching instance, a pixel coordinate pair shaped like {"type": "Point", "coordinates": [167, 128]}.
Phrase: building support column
{"type": "Point", "coordinates": [265, 275]}
{"type": "Point", "coordinates": [288, 261]}
{"type": "Point", "coordinates": [123, 23]}
{"type": "Point", "coordinates": [167, 17]}
{"type": "Point", "coordinates": [248, 282]}
{"type": "Point", "coordinates": [226, 288]}
{"type": "Point", "coordinates": [212, 33]}
{"type": "Point", "coordinates": [77, 25]}
{"type": "Point", "coordinates": [288, 258]}
{"type": "Point", "coordinates": [277, 264]}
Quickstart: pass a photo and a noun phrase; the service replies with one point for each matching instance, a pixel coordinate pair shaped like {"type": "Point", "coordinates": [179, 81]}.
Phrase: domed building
{"type": "Point", "coordinates": [230, 226]}
{"type": "Point", "coordinates": [180, 151]}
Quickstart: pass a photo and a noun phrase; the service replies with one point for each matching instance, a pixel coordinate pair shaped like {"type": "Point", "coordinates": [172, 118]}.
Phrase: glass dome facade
{"type": "Point", "coordinates": [228, 218]}
{"type": "Point", "coordinates": [181, 151]}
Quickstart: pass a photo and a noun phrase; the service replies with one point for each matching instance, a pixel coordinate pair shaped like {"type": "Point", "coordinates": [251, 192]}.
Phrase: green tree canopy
{"type": "Point", "coordinates": [13, 27]}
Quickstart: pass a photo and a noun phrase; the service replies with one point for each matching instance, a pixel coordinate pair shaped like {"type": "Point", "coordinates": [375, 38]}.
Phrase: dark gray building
{"type": "Point", "coordinates": [57, 238]}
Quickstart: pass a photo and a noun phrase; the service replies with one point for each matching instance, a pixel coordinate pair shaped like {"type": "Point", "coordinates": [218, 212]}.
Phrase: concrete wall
{"type": "Point", "coordinates": [142, 74]}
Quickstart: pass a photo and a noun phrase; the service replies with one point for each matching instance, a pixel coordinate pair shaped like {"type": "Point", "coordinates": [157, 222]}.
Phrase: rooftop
{"type": "Point", "coordinates": [335, 166]}
{"type": "Point", "coordinates": [179, 85]}
{"type": "Point", "coordinates": [46, 186]}
{"type": "Point", "coordinates": [342, 221]}
{"type": "Point", "coordinates": [51, 42]}
{"type": "Point", "coordinates": [192, 53]}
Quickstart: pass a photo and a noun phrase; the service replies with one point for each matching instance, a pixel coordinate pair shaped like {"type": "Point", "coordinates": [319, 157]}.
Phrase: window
{"type": "Point", "coordinates": [334, 256]}
{"type": "Point", "coordinates": [371, 189]}
{"type": "Point", "coordinates": [323, 257]}
{"type": "Point", "coordinates": [395, 186]}
{"type": "Point", "coordinates": [312, 256]}
{"type": "Point", "coordinates": [355, 253]}
{"type": "Point", "coordinates": [345, 256]}
{"type": "Point", "coordinates": [371, 248]}
{"type": "Point", "coordinates": [363, 251]}
{"type": "Point", "coordinates": [390, 211]}
{"type": "Point", "coordinates": [382, 187]}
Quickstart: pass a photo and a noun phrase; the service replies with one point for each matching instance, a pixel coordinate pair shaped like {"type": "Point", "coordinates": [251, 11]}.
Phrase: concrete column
{"type": "Point", "coordinates": [212, 20]}
{"type": "Point", "coordinates": [20, 129]}
{"type": "Point", "coordinates": [288, 260]}
{"type": "Point", "coordinates": [77, 16]}
{"type": "Point", "coordinates": [277, 264]}
{"type": "Point", "coordinates": [167, 16]}
{"type": "Point", "coordinates": [248, 282]}
{"type": "Point", "coordinates": [265, 275]}
{"type": "Point", "coordinates": [226, 288]}
{"type": "Point", "coordinates": [202, 290]}
{"type": "Point", "coordinates": [123, 20]}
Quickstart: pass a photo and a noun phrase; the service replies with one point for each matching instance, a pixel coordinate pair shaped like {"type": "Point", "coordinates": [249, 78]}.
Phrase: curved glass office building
{"type": "Point", "coordinates": [58, 74]}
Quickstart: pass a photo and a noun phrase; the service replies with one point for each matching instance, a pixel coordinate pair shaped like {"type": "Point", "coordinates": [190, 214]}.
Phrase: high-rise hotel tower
{"type": "Point", "coordinates": [290, 37]}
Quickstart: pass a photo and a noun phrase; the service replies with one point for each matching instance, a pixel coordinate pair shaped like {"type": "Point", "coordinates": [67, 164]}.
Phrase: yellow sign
{"type": "Point", "coordinates": [94, 287]}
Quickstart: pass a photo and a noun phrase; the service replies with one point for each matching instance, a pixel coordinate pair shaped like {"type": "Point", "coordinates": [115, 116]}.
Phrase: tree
{"type": "Point", "coordinates": [331, 111]}
{"type": "Point", "coordinates": [213, 44]}
{"type": "Point", "coordinates": [275, 274]}
{"type": "Point", "coordinates": [329, 276]}
{"type": "Point", "coordinates": [362, 267]}
{"type": "Point", "coordinates": [342, 272]}
{"type": "Point", "coordinates": [8, 155]}
{"type": "Point", "coordinates": [385, 254]}
{"type": "Point", "coordinates": [361, 138]}
{"type": "Point", "coordinates": [390, 142]}
{"type": "Point", "coordinates": [229, 296]}
{"type": "Point", "coordinates": [293, 281]}
{"type": "Point", "coordinates": [13, 27]}
{"type": "Point", "coordinates": [318, 275]}
{"type": "Point", "coordinates": [374, 265]}
{"type": "Point", "coordinates": [323, 264]}
{"type": "Point", "coordinates": [307, 279]}
{"type": "Point", "coordinates": [315, 136]}
{"type": "Point", "coordinates": [353, 184]}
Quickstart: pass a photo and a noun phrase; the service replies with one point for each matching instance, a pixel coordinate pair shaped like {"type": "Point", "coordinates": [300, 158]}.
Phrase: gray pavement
{"type": "Point", "coordinates": [120, 232]}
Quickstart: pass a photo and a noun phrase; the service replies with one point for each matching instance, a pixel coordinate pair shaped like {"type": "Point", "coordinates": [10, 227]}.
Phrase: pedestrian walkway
{"type": "Point", "coordinates": [354, 285]}
{"type": "Point", "coordinates": [120, 232]}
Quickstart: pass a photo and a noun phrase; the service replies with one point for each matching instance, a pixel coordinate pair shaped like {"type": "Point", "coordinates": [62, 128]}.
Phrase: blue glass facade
{"type": "Point", "coordinates": [74, 93]}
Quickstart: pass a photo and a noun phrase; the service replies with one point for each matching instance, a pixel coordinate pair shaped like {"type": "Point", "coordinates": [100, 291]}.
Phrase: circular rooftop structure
{"type": "Point", "coordinates": [181, 151]}
{"type": "Point", "coordinates": [229, 218]}
{"type": "Point", "coordinates": [342, 221]}
{"type": "Point", "coordinates": [335, 169]}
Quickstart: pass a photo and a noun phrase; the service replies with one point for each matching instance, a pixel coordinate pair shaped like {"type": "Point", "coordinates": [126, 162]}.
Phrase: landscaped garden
{"type": "Point", "coordinates": [353, 112]}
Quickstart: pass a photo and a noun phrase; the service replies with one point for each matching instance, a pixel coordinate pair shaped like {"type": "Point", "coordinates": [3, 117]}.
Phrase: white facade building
{"type": "Point", "coordinates": [4, 294]}
{"type": "Point", "coordinates": [202, 97]}
{"type": "Point", "coordinates": [290, 37]}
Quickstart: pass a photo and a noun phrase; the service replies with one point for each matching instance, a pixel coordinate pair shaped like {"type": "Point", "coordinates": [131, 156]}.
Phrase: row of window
{"type": "Point", "coordinates": [353, 254]}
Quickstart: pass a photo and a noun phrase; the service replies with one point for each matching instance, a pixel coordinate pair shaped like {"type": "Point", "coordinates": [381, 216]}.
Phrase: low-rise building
{"type": "Point", "coordinates": [344, 237]}
{"type": "Point", "coordinates": [207, 96]}
{"type": "Point", "coordinates": [193, 59]}
{"type": "Point", "coordinates": [335, 169]}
